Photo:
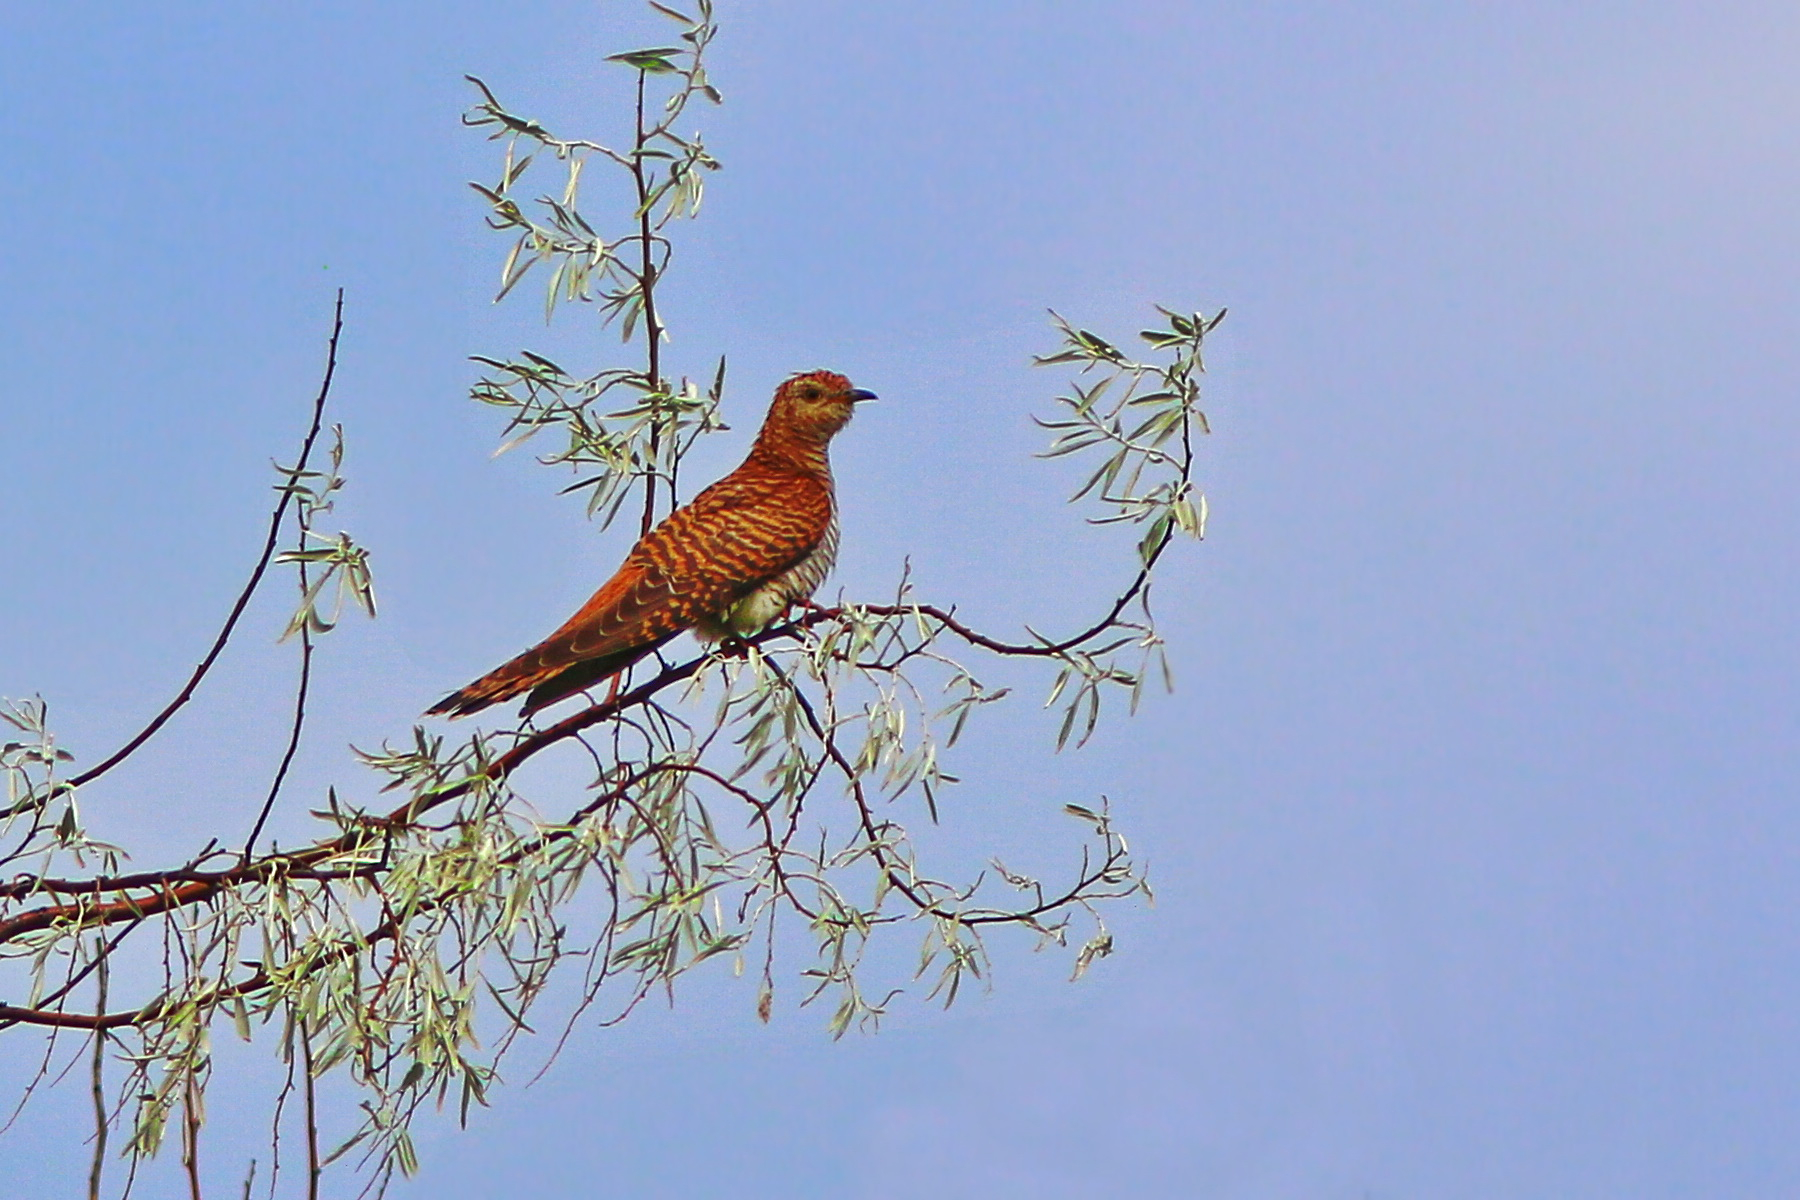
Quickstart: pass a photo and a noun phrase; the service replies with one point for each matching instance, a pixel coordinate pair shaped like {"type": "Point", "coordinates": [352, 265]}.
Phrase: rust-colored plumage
{"type": "Point", "coordinates": [730, 561]}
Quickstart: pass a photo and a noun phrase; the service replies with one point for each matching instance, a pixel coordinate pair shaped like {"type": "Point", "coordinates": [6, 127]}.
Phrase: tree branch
{"type": "Point", "coordinates": [652, 329]}
{"type": "Point", "coordinates": [297, 725]}
{"type": "Point", "coordinates": [262, 566]}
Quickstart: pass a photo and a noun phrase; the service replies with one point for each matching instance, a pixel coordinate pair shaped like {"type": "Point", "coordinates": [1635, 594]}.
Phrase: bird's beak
{"type": "Point", "coordinates": [861, 394]}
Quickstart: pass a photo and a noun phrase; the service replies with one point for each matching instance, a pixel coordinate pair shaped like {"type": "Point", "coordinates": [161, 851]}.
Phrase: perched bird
{"type": "Point", "coordinates": [728, 562]}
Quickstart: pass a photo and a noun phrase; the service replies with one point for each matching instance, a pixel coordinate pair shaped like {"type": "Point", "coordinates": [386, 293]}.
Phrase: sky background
{"type": "Point", "coordinates": [1473, 819]}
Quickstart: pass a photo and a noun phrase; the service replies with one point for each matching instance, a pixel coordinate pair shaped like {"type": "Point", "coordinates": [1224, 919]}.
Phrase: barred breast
{"type": "Point", "coordinates": [773, 598]}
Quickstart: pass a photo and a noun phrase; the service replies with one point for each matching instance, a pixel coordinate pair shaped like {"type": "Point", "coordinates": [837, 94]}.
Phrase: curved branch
{"type": "Point", "coordinates": [295, 729]}
{"type": "Point", "coordinates": [256, 576]}
{"type": "Point", "coordinates": [1043, 649]}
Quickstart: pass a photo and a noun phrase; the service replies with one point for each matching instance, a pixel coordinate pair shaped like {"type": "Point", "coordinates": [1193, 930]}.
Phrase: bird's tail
{"type": "Point", "coordinates": [502, 683]}
{"type": "Point", "coordinates": [546, 682]}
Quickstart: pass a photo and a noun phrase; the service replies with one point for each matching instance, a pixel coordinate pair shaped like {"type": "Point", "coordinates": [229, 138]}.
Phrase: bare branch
{"type": "Point", "coordinates": [262, 565]}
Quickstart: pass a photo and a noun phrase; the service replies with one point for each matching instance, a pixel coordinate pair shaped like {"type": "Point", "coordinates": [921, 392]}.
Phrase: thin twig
{"type": "Point", "coordinates": [281, 1099]}
{"type": "Point", "coordinates": [312, 1114]}
{"type": "Point", "coordinates": [299, 723]}
{"type": "Point", "coordinates": [652, 329]}
{"type": "Point", "coordinates": [98, 1166]}
{"type": "Point", "coordinates": [190, 1142]}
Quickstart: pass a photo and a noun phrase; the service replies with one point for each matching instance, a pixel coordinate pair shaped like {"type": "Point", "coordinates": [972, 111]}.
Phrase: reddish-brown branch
{"type": "Point", "coordinates": [947, 618]}
{"type": "Point", "coordinates": [196, 887]}
{"type": "Point", "coordinates": [170, 890]}
{"type": "Point", "coordinates": [390, 928]}
{"type": "Point", "coordinates": [177, 889]}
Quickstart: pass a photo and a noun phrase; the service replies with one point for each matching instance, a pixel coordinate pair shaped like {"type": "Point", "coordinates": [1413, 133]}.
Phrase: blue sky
{"type": "Point", "coordinates": [1473, 819]}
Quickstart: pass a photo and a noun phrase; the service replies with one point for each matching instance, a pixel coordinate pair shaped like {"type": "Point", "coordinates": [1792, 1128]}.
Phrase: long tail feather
{"type": "Point", "coordinates": [546, 685]}
{"type": "Point", "coordinates": [584, 675]}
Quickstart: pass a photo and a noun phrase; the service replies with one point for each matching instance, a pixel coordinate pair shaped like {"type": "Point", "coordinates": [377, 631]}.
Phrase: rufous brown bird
{"type": "Point", "coordinates": [728, 562]}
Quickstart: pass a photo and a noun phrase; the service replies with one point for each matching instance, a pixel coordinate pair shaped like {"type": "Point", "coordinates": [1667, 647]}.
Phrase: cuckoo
{"type": "Point", "coordinates": [728, 562]}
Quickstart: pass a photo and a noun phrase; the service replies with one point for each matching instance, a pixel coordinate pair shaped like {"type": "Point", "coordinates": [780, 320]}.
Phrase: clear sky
{"type": "Point", "coordinates": [1473, 820]}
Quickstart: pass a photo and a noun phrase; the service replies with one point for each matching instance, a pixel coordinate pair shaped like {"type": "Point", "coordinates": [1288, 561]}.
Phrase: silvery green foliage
{"type": "Point", "coordinates": [336, 559]}
{"type": "Point", "coordinates": [754, 803]}
{"type": "Point", "coordinates": [610, 445]}
{"type": "Point", "coordinates": [1141, 419]}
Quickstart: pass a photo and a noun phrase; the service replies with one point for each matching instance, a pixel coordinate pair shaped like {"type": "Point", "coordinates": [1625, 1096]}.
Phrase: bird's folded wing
{"type": "Point", "coordinates": [734, 537]}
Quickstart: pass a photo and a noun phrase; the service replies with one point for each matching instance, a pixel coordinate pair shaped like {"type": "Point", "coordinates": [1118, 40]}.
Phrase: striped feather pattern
{"type": "Point", "coordinates": [730, 561]}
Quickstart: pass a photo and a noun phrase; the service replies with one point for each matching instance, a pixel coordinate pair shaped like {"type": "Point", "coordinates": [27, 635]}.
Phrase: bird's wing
{"type": "Point", "coordinates": [734, 537]}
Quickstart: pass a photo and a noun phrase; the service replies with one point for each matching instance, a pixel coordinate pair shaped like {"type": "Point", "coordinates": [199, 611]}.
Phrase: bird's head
{"type": "Point", "coordinates": [815, 405]}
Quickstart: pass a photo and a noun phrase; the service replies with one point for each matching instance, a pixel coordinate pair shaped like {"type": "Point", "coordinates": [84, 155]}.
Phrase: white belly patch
{"type": "Point", "coordinates": [773, 598]}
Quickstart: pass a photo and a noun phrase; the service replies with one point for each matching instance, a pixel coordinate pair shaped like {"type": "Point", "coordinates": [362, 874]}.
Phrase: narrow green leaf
{"type": "Point", "coordinates": [1155, 536]}
{"type": "Point", "coordinates": [654, 61]}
